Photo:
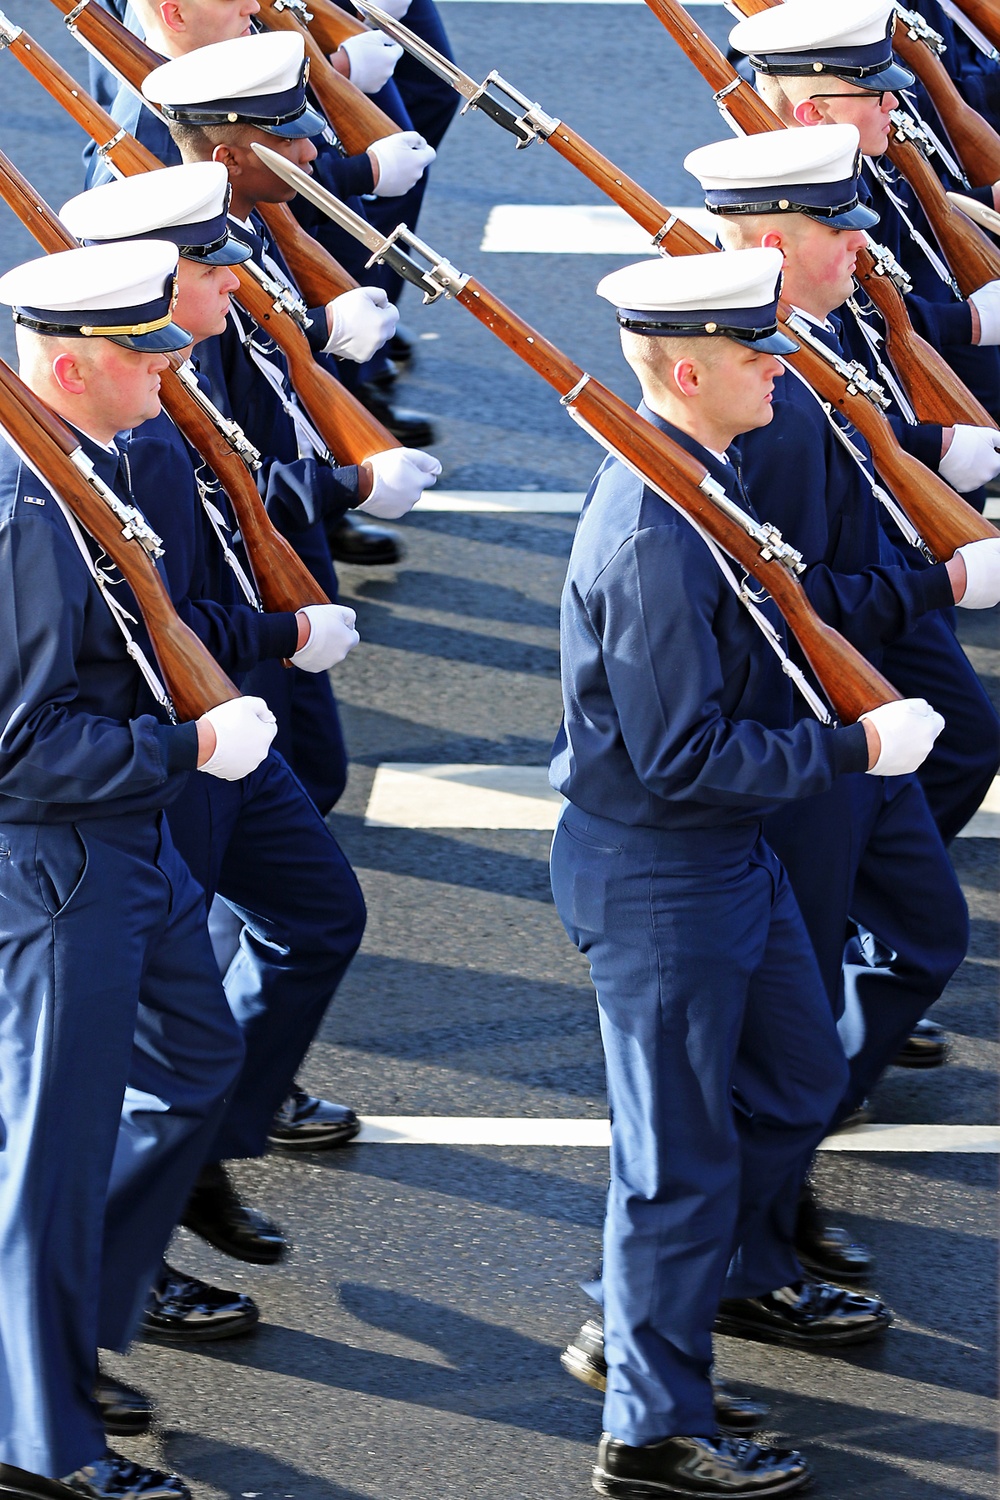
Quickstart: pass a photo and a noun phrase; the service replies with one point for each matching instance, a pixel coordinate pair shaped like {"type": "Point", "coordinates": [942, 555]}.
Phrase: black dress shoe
{"type": "Point", "coordinates": [115, 1478]}
{"type": "Point", "coordinates": [305, 1123]}
{"type": "Point", "coordinates": [925, 1047]}
{"type": "Point", "coordinates": [705, 1467]}
{"type": "Point", "coordinates": [126, 1412]}
{"type": "Point", "coordinates": [825, 1249]}
{"type": "Point", "coordinates": [21, 1484]}
{"type": "Point", "coordinates": [353, 540]}
{"type": "Point", "coordinates": [810, 1315]}
{"type": "Point", "coordinates": [860, 1115]}
{"type": "Point", "coordinates": [215, 1212]}
{"type": "Point", "coordinates": [400, 347]}
{"type": "Point", "coordinates": [414, 429]}
{"type": "Point", "coordinates": [583, 1358]}
{"type": "Point", "coordinates": [183, 1310]}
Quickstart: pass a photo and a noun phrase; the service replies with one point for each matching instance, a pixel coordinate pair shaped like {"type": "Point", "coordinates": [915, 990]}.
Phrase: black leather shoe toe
{"type": "Point", "coordinates": [583, 1358]}
{"type": "Point", "coordinates": [126, 1411]}
{"type": "Point", "coordinates": [112, 1477]}
{"type": "Point", "coordinates": [412, 428]}
{"type": "Point", "coordinates": [184, 1310]}
{"type": "Point", "coordinates": [826, 1250]}
{"type": "Point", "coordinates": [215, 1213]}
{"type": "Point", "coordinates": [22, 1484]}
{"type": "Point", "coordinates": [703, 1467]}
{"type": "Point", "coordinates": [305, 1123]}
{"type": "Point", "coordinates": [860, 1115]}
{"type": "Point", "coordinates": [809, 1315]}
{"type": "Point", "coordinates": [352, 540]}
{"type": "Point", "coordinates": [925, 1047]}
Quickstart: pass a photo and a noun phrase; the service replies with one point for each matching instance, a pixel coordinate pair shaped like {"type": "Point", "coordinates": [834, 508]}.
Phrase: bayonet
{"type": "Point", "coordinates": [528, 121]}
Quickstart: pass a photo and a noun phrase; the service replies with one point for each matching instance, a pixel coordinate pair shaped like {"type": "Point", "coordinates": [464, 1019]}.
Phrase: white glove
{"type": "Point", "coordinates": [982, 574]}
{"type": "Point", "coordinates": [244, 729]}
{"type": "Point", "coordinates": [987, 304]}
{"type": "Point", "coordinates": [372, 56]}
{"type": "Point", "coordinates": [907, 730]}
{"type": "Point", "coordinates": [401, 159]}
{"type": "Point", "coordinates": [400, 476]}
{"type": "Point", "coordinates": [973, 457]}
{"type": "Point", "coordinates": [331, 636]}
{"type": "Point", "coordinates": [360, 322]}
{"type": "Point", "coordinates": [395, 8]}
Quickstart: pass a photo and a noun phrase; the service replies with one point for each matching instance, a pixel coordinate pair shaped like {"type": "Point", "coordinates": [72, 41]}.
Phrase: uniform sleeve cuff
{"type": "Point", "coordinates": [922, 441]}
{"type": "Point", "coordinates": [279, 636]}
{"type": "Point", "coordinates": [931, 587]}
{"type": "Point", "coordinates": [850, 749]}
{"type": "Point", "coordinates": [318, 332]}
{"type": "Point", "coordinates": [358, 175]}
{"type": "Point", "coordinates": [954, 322]}
{"type": "Point", "coordinates": [178, 746]}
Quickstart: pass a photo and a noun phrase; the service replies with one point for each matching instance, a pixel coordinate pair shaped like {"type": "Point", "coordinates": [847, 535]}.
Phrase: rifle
{"type": "Point", "coordinates": [194, 680]}
{"type": "Point", "coordinates": [975, 142]}
{"type": "Point", "coordinates": [972, 258]}
{"type": "Point", "coordinates": [934, 390]}
{"type": "Point", "coordinates": [851, 684]}
{"type": "Point", "coordinates": [328, 23]}
{"type": "Point", "coordinates": [985, 17]}
{"type": "Point", "coordinates": [357, 119]}
{"type": "Point", "coordinates": [283, 581]}
{"type": "Point", "coordinates": [343, 423]}
{"type": "Point", "coordinates": [944, 520]}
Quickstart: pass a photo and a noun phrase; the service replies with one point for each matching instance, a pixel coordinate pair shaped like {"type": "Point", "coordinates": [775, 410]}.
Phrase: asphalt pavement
{"type": "Point", "coordinates": [409, 1346]}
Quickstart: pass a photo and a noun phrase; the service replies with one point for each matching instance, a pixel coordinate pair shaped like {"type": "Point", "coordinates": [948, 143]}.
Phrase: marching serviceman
{"type": "Point", "coordinates": [723, 1062]}
{"type": "Point", "coordinates": [218, 100]}
{"type": "Point", "coordinates": [109, 982]}
{"type": "Point", "coordinates": [816, 65]}
{"type": "Point", "coordinates": [259, 842]}
{"type": "Point", "coordinates": [870, 849]}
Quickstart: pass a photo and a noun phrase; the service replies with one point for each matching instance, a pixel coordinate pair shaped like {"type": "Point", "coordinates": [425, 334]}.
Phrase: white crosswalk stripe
{"type": "Point", "coordinates": [576, 229]}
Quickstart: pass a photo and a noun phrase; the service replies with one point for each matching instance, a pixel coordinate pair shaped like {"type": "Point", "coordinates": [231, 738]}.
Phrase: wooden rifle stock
{"type": "Point", "coordinates": [282, 578]}
{"type": "Point", "coordinates": [357, 119]}
{"type": "Point", "coordinates": [934, 390]}
{"type": "Point", "coordinates": [851, 684]}
{"type": "Point", "coordinates": [985, 16]}
{"type": "Point", "coordinates": [348, 430]}
{"type": "Point", "coordinates": [968, 252]}
{"type": "Point", "coordinates": [192, 677]}
{"type": "Point", "coordinates": [975, 142]}
{"type": "Point", "coordinates": [944, 520]}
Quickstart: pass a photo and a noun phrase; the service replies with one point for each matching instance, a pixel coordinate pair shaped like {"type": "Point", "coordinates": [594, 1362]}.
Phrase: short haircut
{"type": "Point", "coordinates": [197, 142]}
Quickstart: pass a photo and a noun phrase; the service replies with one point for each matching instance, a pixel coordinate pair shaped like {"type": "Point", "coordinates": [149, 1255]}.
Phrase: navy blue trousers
{"type": "Point", "coordinates": [107, 980]}
{"type": "Point", "coordinates": [929, 663]}
{"type": "Point", "coordinates": [870, 850]}
{"type": "Point", "coordinates": [723, 1068]}
{"type": "Point", "coordinates": [261, 844]}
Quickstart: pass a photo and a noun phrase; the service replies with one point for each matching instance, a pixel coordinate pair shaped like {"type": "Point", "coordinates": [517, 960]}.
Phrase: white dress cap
{"type": "Point", "coordinates": [268, 62]}
{"type": "Point", "coordinates": [94, 279]}
{"type": "Point", "coordinates": [140, 205]}
{"type": "Point", "coordinates": [826, 153]}
{"type": "Point", "coordinates": [808, 26]}
{"type": "Point", "coordinates": [725, 280]}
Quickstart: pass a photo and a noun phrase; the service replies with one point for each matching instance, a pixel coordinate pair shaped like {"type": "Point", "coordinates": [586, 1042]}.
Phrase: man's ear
{"type": "Point", "coordinates": [172, 16]}
{"type": "Point", "coordinates": [806, 113]}
{"type": "Point", "coordinates": [685, 377]}
{"type": "Point", "coordinates": [229, 158]}
{"type": "Point", "coordinates": [68, 375]}
{"type": "Point", "coordinates": [773, 240]}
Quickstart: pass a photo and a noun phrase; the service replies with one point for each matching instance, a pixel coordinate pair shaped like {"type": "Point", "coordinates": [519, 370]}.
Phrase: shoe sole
{"type": "Point", "coordinates": [134, 1428]}
{"type": "Point", "coordinates": [326, 1142]}
{"type": "Point", "coordinates": [737, 1330]}
{"type": "Point", "coordinates": [21, 1484]}
{"type": "Point", "coordinates": [639, 1489]}
{"type": "Point", "coordinates": [204, 1333]}
{"type": "Point", "coordinates": [835, 1274]}
{"type": "Point", "coordinates": [580, 1367]}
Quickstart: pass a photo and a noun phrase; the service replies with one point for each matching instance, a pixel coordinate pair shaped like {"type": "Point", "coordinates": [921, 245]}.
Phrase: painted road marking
{"type": "Point", "coordinates": [516, 1130]}
{"type": "Point", "coordinates": [415, 795]}
{"type": "Point", "coordinates": [576, 229]}
{"type": "Point", "coordinates": [541, 502]}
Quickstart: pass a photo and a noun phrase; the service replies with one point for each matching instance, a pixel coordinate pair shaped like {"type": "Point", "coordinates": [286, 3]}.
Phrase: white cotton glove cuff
{"type": "Point", "coordinates": [972, 458]}
{"type": "Point", "coordinates": [907, 730]}
{"type": "Point", "coordinates": [331, 636]}
{"type": "Point", "coordinates": [987, 304]}
{"type": "Point", "coordinates": [401, 160]}
{"type": "Point", "coordinates": [244, 729]}
{"type": "Point", "coordinates": [372, 56]}
{"type": "Point", "coordinates": [982, 574]}
{"type": "Point", "coordinates": [399, 478]}
{"type": "Point", "coordinates": [360, 322]}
